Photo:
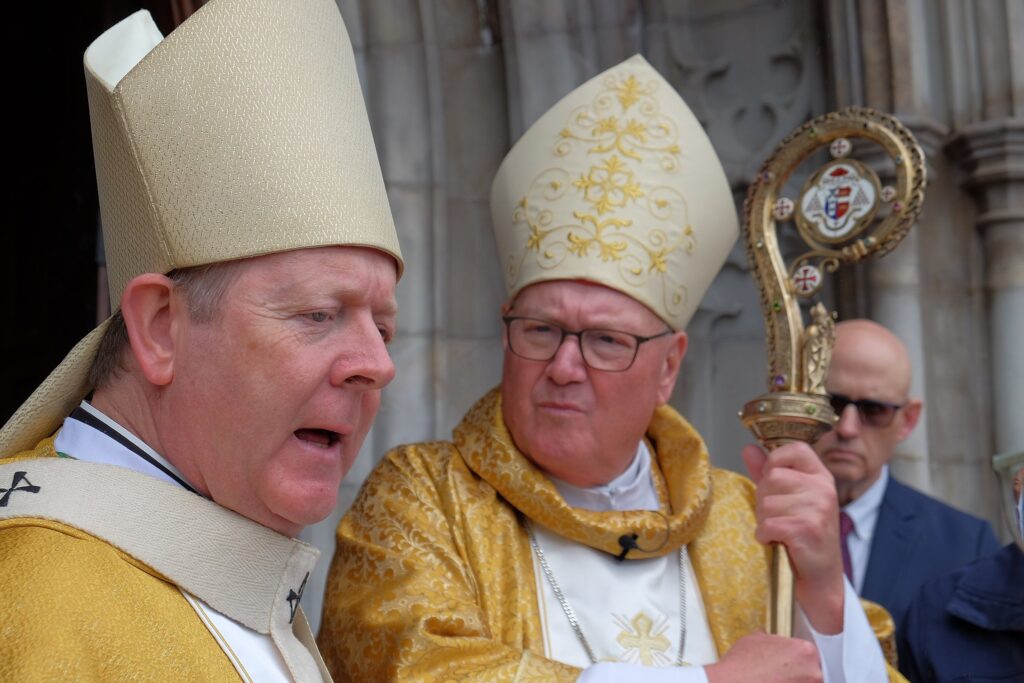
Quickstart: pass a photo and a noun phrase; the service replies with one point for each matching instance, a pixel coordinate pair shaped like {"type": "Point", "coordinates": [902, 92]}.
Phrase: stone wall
{"type": "Point", "coordinates": [451, 85]}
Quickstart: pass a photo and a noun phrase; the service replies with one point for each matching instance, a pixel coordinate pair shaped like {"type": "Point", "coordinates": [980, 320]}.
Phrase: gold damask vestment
{"type": "Point", "coordinates": [433, 577]}
{"type": "Point", "coordinates": [77, 608]}
{"type": "Point", "coordinates": [111, 574]}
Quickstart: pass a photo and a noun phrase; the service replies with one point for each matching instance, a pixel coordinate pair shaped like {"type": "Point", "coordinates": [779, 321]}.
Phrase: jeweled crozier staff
{"type": "Point", "coordinates": [843, 214]}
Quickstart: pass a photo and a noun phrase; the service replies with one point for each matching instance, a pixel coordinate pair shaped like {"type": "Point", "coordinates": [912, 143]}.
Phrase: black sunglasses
{"type": "Point", "coordinates": [873, 413]}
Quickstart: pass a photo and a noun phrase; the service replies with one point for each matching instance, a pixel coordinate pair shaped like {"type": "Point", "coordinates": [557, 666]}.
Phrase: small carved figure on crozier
{"type": "Point", "coordinates": [843, 215]}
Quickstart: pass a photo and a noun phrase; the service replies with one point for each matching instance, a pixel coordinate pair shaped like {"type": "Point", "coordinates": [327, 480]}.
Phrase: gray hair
{"type": "Point", "coordinates": [203, 288]}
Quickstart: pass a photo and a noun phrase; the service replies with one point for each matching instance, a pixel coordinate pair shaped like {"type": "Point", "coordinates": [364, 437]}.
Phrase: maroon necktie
{"type": "Point", "coordinates": [845, 527]}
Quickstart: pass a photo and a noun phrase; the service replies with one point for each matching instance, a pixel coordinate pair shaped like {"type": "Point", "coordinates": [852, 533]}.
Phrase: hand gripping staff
{"type": "Point", "coordinates": [844, 214]}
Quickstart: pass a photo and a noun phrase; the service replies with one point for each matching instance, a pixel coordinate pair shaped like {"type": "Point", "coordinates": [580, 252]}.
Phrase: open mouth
{"type": "Point", "coordinates": [324, 438]}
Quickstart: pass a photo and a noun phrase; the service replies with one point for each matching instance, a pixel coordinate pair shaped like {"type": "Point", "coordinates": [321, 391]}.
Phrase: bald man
{"type": "Point", "coordinates": [896, 537]}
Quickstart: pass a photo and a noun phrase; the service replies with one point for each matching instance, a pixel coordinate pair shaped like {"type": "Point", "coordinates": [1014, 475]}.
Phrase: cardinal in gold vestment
{"type": "Point", "coordinates": [463, 560]}
{"type": "Point", "coordinates": [433, 575]}
{"type": "Point", "coordinates": [433, 578]}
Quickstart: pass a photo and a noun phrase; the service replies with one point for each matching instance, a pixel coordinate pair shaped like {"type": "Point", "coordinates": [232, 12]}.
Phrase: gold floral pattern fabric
{"type": "Point", "coordinates": [882, 624]}
{"type": "Point", "coordinates": [490, 453]}
{"type": "Point", "coordinates": [432, 580]}
{"type": "Point", "coordinates": [433, 577]}
{"type": "Point", "coordinates": [77, 609]}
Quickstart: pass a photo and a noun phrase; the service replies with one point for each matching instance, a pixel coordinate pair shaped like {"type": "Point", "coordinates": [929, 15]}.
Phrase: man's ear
{"type": "Point", "coordinates": [670, 368]}
{"type": "Point", "coordinates": [911, 414]}
{"type": "Point", "coordinates": [150, 315]}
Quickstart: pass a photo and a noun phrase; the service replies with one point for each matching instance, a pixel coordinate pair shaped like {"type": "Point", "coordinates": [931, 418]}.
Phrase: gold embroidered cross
{"type": "Point", "coordinates": [650, 646]}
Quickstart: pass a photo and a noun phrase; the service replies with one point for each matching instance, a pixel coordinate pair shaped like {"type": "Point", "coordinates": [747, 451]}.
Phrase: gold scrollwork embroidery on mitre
{"type": "Point", "coordinates": [611, 123]}
{"type": "Point", "coordinates": [616, 184]}
{"type": "Point", "coordinates": [610, 211]}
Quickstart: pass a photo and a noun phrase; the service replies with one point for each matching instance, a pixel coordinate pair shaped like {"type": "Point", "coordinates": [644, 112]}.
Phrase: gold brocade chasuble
{"type": "Point", "coordinates": [433, 577]}
{"type": "Point", "coordinates": [722, 546]}
{"type": "Point", "coordinates": [78, 607]}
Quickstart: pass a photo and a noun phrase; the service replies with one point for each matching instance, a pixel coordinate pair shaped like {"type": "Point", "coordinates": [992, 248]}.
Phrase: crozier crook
{"type": "Point", "coordinates": [843, 215]}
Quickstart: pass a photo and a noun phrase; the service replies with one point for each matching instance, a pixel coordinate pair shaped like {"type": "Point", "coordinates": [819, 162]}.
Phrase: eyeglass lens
{"type": "Point", "coordinates": [602, 349]}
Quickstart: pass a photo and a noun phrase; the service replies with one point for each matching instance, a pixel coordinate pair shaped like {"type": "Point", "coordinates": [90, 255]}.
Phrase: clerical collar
{"type": "Point", "coordinates": [88, 434]}
{"type": "Point", "coordinates": [631, 490]}
{"type": "Point", "coordinates": [864, 510]}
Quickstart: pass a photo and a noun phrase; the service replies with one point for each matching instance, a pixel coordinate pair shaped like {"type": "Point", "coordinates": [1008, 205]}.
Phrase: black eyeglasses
{"type": "Point", "coordinates": [609, 350]}
{"type": "Point", "coordinates": [873, 413]}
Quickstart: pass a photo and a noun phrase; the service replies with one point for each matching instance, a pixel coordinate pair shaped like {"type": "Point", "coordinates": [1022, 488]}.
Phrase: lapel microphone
{"type": "Point", "coordinates": [627, 542]}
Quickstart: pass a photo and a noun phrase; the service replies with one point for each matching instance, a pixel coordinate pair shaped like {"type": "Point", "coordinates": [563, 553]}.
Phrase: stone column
{"type": "Point", "coordinates": [896, 298]}
{"type": "Point", "coordinates": [992, 156]}
{"type": "Point", "coordinates": [471, 129]}
{"type": "Point", "coordinates": [989, 147]}
{"type": "Point", "coordinates": [880, 59]}
{"type": "Point", "coordinates": [932, 63]}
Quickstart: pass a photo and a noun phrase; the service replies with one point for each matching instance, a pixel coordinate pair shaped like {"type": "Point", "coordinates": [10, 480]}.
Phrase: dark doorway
{"type": "Point", "coordinates": [49, 253]}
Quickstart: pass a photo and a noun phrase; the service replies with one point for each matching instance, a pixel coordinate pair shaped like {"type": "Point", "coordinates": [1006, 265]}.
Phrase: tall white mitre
{"type": "Point", "coordinates": [241, 133]}
{"type": "Point", "coordinates": [617, 184]}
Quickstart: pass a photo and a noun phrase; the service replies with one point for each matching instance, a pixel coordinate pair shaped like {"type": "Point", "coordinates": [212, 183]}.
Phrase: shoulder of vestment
{"type": "Point", "coordinates": [76, 608]}
{"type": "Point", "coordinates": [432, 473]}
{"type": "Point", "coordinates": [433, 459]}
{"type": "Point", "coordinates": [727, 482]}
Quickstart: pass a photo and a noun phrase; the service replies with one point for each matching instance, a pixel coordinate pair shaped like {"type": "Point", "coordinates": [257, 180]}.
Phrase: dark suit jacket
{"type": "Point", "coordinates": [916, 539]}
{"type": "Point", "coordinates": [968, 626]}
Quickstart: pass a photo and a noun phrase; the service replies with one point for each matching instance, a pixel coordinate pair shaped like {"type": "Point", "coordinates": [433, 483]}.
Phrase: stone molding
{"type": "Point", "coordinates": [990, 151]}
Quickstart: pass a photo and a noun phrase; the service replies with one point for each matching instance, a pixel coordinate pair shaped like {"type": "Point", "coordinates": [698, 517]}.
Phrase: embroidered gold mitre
{"type": "Point", "coordinates": [617, 184]}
